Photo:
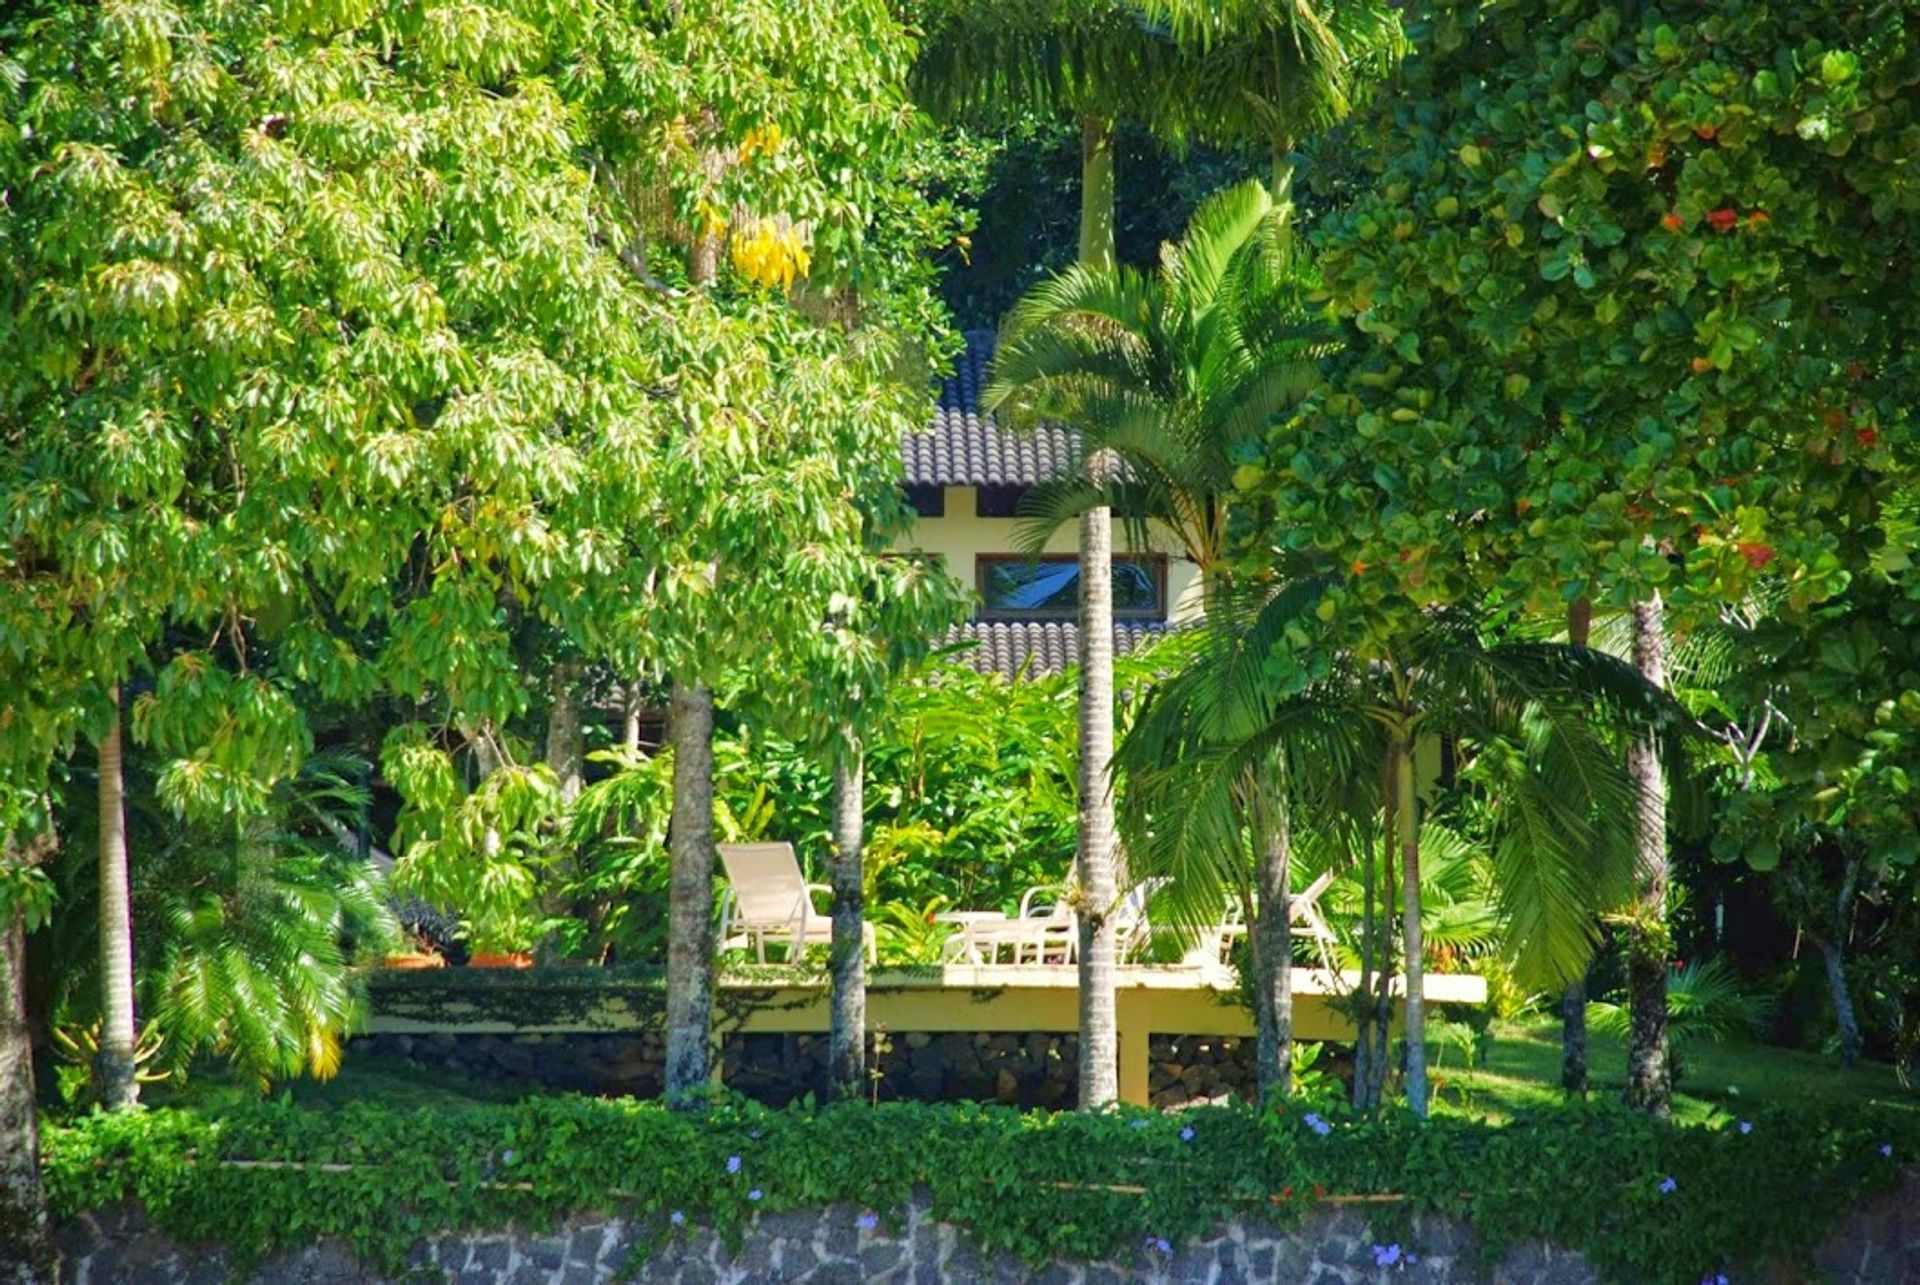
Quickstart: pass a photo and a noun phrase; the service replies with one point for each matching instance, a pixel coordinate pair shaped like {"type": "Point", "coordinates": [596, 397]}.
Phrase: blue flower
{"type": "Point", "coordinates": [1313, 1121]}
{"type": "Point", "coordinates": [677, 1218]}
{"type": "Point", "coordinates": [507, 1156]}
{"type": "Point", "coordinates": [1186, 1134]}
{"type": "Point", "coordinates": [1386, 1255]}
{"type": "Point", "coordinates": [1668, 1186]}
{"type": "Point", "coordinates": [1159, 1244]}
{"type": "Point", "coordinates": [1715, 1278]}
{"type": "Point", "coordinates": [867, 1221]}
{"type": "Point", "coordinates": [1886, 1149]}
{"type": "Point", "coordinates": [733, 1164]}
{"type": "Point", "coordinates": [1746, 1126]}
{"type": "Point", "coordinates": [754, 1194]}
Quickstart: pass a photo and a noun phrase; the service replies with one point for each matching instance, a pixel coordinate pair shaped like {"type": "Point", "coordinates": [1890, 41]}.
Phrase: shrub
{"type": "Point", "coordinates": [1644, 1201]}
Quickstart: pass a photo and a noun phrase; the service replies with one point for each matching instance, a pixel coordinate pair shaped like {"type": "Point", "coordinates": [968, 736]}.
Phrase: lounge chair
{"type": "Point", "coordinates": [768, 896]}
{"type": "Point", "coordinates": [1044, 932]}
{"type": "Point", "coordinates": [1303, 913]}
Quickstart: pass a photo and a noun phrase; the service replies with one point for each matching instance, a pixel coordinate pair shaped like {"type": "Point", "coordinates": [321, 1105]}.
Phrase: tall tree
{"type": "Point", "coordinates": [1094, 60]}
{"type": "Point", "coordinates": [26, 1251]}
{"type": "Point", "coordinates": [1164, 378]}
{"type": "Point", "coordinates": [115, 1073]}
{"type": "Point", "coordinates": [1270, 75]}
{"type": "Point", "coordinates": [775, 137]}
{"type": "Point", "coordinates": [1622, 313]}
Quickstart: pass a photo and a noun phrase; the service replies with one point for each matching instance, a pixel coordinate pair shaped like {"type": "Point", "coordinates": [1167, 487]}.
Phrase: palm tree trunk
{"type": "Point", "coordinates": [1649, 1073]}
{"type": "Point", "coordinates": [847, 1037]}
{"type": "Point", "coordinates": [1843, 1014]}
{"type": "Point", "coordinates": [1094, 860]}
{"type": "Point", "coordinates": [1363, 1016]}
{"type": "Point", "coordinates": [690, 894]}
{"type": "Point", "coordinates": [566, 740]}
{"type": "Point", "coordinates": [1412, 944]}
{"type": "Point", "coordinates": [1273, 951]}
{"type": "Point", "coordinates": [114, 1064]}
{"type": "Point", "coordinates": [1282, 192]}
{"type": "Point", "coordinates": [1833, 957]}
{"type": "Point", "coordinates": [630, 719]}
{"type": "Point", "coordinates": [1096, 192]}
{"type": "Point", "coordinates": [1573, 1037]}
{"type": "Point", "coordinates": [1573, 1001]}
{"type": "Point", "coordinates": [26, 1253]}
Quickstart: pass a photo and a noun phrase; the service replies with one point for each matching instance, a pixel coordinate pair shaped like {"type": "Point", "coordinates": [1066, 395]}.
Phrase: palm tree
{"type": "Point", "coordinates": [1216, 769]}
{"type": "Point", "coordinates": [1161, 376]}
{"type": "Point", "coordinates": [1269, 74]}
{"type": "Point", "coordinates": [262, 919]}
{"type": "Point", "coordinates": [1092, 59]}
{"type": "Point", "coordinates": [1169, 375]}
{"type": "Point", "coordinates": [1234, 718]}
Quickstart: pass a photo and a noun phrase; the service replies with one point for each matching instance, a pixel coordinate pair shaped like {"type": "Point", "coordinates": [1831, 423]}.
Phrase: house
{"type": "Point", "coordinates": [965, 476]}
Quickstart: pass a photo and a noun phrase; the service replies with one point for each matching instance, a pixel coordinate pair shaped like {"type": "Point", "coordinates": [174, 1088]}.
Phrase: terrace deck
{"type": "Point", "coordinates": [953, 997]}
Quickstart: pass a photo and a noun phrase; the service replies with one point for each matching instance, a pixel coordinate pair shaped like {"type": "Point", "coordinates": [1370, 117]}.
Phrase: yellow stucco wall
{"type": "Point", "coordinates": [961, 534]}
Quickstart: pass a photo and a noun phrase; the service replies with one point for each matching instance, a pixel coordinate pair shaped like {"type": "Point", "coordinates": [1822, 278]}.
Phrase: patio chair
{"type": "Point", "coordinates": [1043, 932]}
{"type": "Point", "coordinates": [767, 895]}
{"type": "Point", "coordinates": [1303, 912]}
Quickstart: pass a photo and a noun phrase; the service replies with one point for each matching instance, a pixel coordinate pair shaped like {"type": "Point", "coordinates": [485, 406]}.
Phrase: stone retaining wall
{"type": "Point", "coordinates": [1027, 1070]}
{"type": "Point", "coordinates": [1878, 1245]}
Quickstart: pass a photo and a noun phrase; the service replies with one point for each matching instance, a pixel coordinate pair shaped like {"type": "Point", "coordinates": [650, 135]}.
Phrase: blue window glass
{"type": "Point", "coordinates": [1048, 588]}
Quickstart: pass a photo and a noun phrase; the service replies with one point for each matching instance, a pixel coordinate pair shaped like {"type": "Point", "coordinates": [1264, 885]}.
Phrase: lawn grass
{"type": "Point", "coordinates": [1522, 1073]}
{"type": "Point", "coordinates": [363, 1078]}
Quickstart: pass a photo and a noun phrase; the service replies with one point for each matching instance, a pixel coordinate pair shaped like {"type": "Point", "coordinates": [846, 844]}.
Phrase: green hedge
{"type": "Point", "coordinates": [1087, 1187]}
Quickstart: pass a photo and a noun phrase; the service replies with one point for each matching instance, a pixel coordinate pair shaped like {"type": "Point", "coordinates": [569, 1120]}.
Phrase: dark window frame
{"type": "Point", "coordinates": [1156, 564]}
{"type": "Point", "coordinates": [928, 500]}
{"type": "Point", "coordinates": [999, 501]}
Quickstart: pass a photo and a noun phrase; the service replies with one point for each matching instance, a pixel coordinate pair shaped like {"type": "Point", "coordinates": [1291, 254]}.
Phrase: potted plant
{"type": "Point", "coordinates": [419, 953]}
{"type": "Point", "coordinates": [503, 939]}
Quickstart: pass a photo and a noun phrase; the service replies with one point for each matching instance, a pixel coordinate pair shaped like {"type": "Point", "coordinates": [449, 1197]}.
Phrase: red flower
{"type": "Point", "coordinates": [1319, 1192]}
{"type": "Point", "coordinates": [1866, 436]}
{"type": "Point", "coordinates": [1701, 365]}
{"type": "Point", "coordinates": [1723, 219]}
{"type": "Point", "coordinates": [1759, 219]}
{"type": "Point", "coordinates": [1673, 220]}
{"type": "Point", "coordinates": [1757, 555]}
{"type": "Point", "coordinates": [1708, 132]}
{"type": "Point", "coordinates": [1359, 567]}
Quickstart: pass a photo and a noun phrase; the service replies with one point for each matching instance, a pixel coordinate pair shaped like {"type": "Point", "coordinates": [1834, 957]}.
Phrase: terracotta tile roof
{"type": "Point", "coordinates": [1032, 648]}
{"type": "Point", "coordinates": [962, 447]}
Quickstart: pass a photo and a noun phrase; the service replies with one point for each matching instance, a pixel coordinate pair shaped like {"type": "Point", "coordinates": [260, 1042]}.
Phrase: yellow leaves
{"type": "Point", "coordinates": [712, 219]}
{"type": "Point", "coordinates": [761, 140]}
{"type": "Point", "coordinates": [771, 253]}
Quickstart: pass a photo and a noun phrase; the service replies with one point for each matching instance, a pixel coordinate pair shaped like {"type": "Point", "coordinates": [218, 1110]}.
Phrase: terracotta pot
{"type": "Point", "coordinates": [413, 961]}
{"type": "Point", "coordinates": [505, 959]}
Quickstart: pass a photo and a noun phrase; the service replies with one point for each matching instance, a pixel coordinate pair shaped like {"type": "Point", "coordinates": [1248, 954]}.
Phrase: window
{"type": "Point", "coordinates": [998, 501]}
{"type": "Point", "coordinates": [1017, 588]}
{"type": "Point", "coordinates": [927, 501]}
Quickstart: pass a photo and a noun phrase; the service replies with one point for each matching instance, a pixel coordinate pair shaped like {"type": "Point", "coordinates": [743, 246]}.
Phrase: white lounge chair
{"type": "Point", "coordinates": [1303, 913]}
{"type": "Point", "coordinates": [768, 896]}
